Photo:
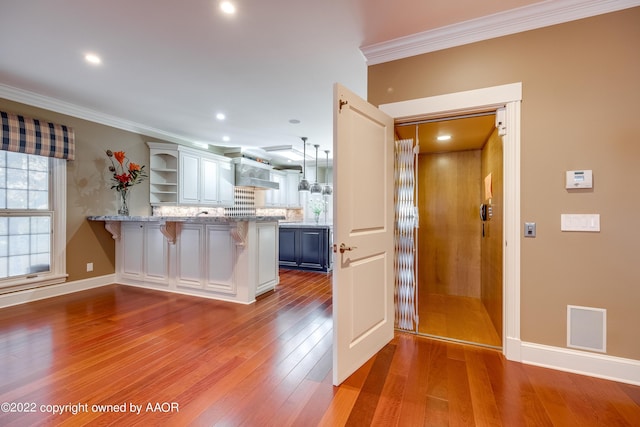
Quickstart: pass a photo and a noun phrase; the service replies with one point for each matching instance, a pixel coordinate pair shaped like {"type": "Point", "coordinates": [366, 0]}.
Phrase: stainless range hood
{"type": "Point", "coordinates": [250, 173]}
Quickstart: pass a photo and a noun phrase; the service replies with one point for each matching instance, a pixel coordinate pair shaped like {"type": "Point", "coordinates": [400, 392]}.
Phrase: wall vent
{"type": "Point", "coordinates": [587, 328]}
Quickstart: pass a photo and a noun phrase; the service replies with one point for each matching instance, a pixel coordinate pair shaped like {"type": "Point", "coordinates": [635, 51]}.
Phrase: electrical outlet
{"type": "Point", "coordinates": [89, 266]}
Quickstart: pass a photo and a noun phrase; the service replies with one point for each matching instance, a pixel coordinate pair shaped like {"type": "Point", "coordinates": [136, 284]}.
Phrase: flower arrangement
{"type": "Point", "coordinates": [125, 173]}
{"type": "Point", "coordinates": [317, 206]}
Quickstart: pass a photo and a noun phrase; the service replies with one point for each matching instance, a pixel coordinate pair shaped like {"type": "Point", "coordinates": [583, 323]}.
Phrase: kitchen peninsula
{"type": "Point", "coordinates": [227, 258]}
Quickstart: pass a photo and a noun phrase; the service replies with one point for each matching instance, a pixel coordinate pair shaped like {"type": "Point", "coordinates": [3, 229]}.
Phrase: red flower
{"type": "Point", "coordinates": [124, 178]}
{"type": "Point", "coordinates": [134, 166]}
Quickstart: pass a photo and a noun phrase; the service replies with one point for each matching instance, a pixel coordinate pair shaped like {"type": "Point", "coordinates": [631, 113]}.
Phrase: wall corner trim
{"type": "Point", "coordinates": [582, 362]}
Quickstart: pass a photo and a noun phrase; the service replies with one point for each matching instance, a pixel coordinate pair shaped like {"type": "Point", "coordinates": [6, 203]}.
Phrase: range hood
{"type": "Point", "coordinates": [250, 173]}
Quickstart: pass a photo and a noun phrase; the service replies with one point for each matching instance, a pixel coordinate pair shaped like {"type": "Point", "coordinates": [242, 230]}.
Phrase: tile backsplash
{"type": "Point", "coordinates": [244, 206]}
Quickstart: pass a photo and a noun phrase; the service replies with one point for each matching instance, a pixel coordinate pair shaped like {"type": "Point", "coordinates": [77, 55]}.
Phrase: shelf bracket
{"type": "Point", "coordinates": [168, 230]}
{"type": "Point", "coordinates": [239, 233]}
{"type": "Point", "coordinates": [113, 227]}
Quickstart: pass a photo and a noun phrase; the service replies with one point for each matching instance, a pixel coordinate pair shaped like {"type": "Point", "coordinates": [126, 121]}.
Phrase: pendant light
{"type": "Point", "coordinates": [303, 185]}
{"type": "Point", "coordinates": [316, 188]}
{"type": "Point", "coordinates": [327, 190]}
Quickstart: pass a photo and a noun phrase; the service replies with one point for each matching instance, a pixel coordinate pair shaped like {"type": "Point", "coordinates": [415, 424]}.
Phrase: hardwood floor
{"type": "Point", "coordinates": [207, 363]}
{"type": "Point", "coordinates": [456, 317]}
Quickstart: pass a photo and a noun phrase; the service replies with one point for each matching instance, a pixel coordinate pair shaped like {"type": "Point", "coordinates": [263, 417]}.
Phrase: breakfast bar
{"type": "Point", "coordinates": [227, 258]}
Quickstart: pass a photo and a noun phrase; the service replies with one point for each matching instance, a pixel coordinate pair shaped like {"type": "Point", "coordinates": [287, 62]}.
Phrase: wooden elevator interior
{"type": "Point", "coordinates": [459, 256]}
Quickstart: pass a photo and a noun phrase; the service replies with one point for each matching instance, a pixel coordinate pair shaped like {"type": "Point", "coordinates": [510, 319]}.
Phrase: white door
{"type": "Point", "coordinates": [363, 316]}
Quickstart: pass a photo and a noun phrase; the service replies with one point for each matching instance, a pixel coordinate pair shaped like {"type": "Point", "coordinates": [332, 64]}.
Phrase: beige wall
{"type": "Point", "coordinates": [581, 88]}
{"type": "Point", "coordinates": [88, 188]}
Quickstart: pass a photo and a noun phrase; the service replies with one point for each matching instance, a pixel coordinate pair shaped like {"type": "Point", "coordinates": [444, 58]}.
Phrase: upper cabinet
{"type": "Point", "coordinates": [180, 175]}
{"type": "Point", "coordinates": [287, 195]}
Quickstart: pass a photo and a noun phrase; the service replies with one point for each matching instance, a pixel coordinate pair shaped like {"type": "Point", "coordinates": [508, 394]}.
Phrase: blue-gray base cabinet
{"type": "Point", "coordinates": [305, 247]}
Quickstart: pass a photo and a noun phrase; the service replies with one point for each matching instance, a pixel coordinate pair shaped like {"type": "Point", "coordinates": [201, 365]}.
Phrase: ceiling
{"type": "Point", "coordinates": [467, 133]}
{"type": "Point", "coordinates": [168, 67]}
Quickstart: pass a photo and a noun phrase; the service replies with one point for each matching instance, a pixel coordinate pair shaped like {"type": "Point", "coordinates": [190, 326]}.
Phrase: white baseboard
{"type": "Point", "coordinates": [35, 294]}
{"type": "Point", "coordinates": [580, 362]}
{"type": "Point", "coordinates": [194, 293]}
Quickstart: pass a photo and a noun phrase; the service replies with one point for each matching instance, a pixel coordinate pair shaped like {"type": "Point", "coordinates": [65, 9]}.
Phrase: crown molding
{"type": "Point", "coordinates": [62, 107]}
{"type": "Point", "coordinates": [539, 15]}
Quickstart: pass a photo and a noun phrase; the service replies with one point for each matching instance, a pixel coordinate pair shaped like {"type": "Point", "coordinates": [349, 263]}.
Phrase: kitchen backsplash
{"type": "Point", "coordinates": [244, 206]}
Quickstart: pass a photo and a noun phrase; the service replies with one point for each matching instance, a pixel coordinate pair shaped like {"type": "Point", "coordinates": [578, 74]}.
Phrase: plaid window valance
{"type": "Point", "coordinates": [32, 136]}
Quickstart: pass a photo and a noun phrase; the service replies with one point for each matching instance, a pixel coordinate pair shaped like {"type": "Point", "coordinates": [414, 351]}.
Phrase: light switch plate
{"type": "Point", "coordinates": [529, 229]}
{"type": "Point", "coordinates": [580, 222]}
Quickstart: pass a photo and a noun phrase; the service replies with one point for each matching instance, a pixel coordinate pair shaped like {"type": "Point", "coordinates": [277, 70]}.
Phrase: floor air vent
{"type": "Point", "coordinates": [587, 328]}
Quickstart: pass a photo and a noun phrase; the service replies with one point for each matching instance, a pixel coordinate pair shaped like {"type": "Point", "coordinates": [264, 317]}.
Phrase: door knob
{"type": "Point", "coordinates": [344, 248]}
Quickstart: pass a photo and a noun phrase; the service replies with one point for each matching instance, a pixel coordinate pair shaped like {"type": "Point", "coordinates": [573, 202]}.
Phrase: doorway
{"type": "Point", "coordinates": [459, 252]}
{"type": "Point", "coordinates": [508, 96]}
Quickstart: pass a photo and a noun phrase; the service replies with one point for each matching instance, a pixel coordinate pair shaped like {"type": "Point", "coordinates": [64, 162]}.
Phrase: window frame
{"type": "Point", "coordinates": [57, 208]}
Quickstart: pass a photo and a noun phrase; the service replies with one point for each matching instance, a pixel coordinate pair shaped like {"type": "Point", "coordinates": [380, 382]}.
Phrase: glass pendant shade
{"type": "Point", "coordinates": [316, 188]}
{"type": "Point", "coordinates": [303, 185]}
{"type": "Point", "coordinates": [327, 190]}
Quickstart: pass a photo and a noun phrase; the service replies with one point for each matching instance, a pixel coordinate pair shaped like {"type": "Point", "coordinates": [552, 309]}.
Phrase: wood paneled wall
{"type": "Point", "coordinates": [450, 230]}
{"type": "Point", "coordinates": [491, 266]}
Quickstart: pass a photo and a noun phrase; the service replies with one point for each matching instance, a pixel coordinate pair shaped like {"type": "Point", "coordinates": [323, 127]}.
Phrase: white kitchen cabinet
{"type": "Point", "coordinates": [190, 262]}
{"type": "Point", "coordinates": [132, 249]}
{"type": "Point", "coordinates": [267, 268]}
{"type": "Point", "coordinates": [143, 254]}
{"type": "Point", "coordinates": [222, 258]}
{"type": "Point", "coordinates": [292, 178]}
{"type": "Point", "coordinates": [275, 198]}
{"type": "Point", "coordinates": [206, 258]}
{"type": "Point", "coordinates": [155, 250]}
{"type": "Point", "coordinates": [189, 183]}
{"type": "Point", "coordinates": [220, 253]}
{"type": "Point", "coordinates": [186, 176]}
{"type": "Point", "coordinates": [208, 181]}
{"type": "Point", "coordinates": [226, 183]}
{"type": "Point", "coordinates": [287, 195]}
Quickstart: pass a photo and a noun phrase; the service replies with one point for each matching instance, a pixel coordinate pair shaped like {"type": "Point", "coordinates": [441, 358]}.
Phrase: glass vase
{"type": "Point", "coordinates": [123, 207]}
{"type": "Point", "coordinates": [317, 216]}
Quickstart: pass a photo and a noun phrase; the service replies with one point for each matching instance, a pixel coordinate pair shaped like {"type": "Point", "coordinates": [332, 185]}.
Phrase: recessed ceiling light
{"type": "Point", "coordinates": [294, 121]}
{"type": "Point", "coordinates": [444, 137]}
{"type": "Point", "coordinates": [228, 7]}
{"type": "Point", "coordinates": [92, 58]}
{"type": "Point", "coordinates": [226, 138]}
{"type": "Point", "coordinates": [220, 116]}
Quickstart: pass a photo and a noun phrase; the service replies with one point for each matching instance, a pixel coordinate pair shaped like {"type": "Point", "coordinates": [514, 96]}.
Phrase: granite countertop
{"type": "Point", "coordinates": [202, 218]}
{"type": "Point", "coordinates": [305, 224]}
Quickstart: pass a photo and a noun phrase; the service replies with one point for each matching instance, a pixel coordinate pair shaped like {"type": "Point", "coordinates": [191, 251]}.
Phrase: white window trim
{"type": "Point", "coordinates": [58, 273]}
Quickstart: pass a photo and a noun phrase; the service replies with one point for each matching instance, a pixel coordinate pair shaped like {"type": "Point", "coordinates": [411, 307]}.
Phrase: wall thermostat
{"type": "Point", "coordinates": [579, 179]}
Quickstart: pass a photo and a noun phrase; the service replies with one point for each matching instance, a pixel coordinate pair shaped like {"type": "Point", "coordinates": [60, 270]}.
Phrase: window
{"type": "Point", "coordinates": [31, 200]}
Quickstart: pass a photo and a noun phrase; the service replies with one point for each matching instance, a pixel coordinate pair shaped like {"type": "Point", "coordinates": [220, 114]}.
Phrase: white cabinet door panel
{"type": "Point", "coordinates": [132, 249]}
{"type": "Point", "coordinates": [155, 254]}
{"type": "Point", "coordinates": [189, 178]}
{"type": "Point", "coordinates": [226, 183]}
{"type": "Point", "coordinates": [220, 259]}
{"type": "Point", "coordinates": [190, 247]}
{"type": "Point", "coordinates": [209, 181]}
{"type": "Point", "coordinates": [267, 251]}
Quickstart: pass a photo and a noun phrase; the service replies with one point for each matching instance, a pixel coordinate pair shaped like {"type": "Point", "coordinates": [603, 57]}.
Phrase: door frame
{"type": "Point", "coordinates": [508, 96]}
